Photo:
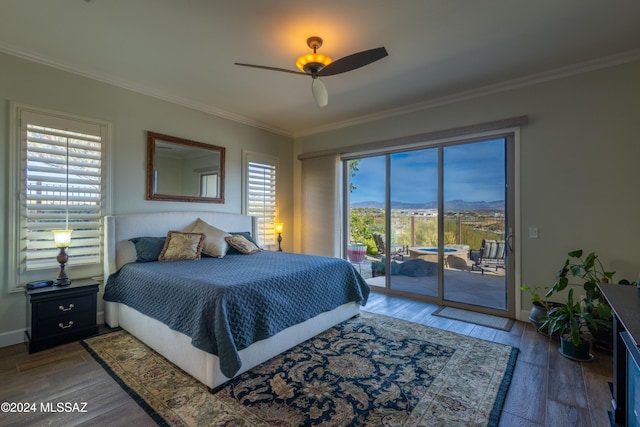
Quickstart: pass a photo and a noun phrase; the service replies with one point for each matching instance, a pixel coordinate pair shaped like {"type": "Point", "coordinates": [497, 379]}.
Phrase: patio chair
{"type": "Point", "coordinates": [379, 241]}
{"type": "Point", "coordinates": [491, 254]}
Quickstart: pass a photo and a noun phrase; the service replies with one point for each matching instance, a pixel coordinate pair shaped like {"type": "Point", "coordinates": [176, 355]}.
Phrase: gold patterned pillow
{"type": "Point", "coordinates": [181, 246]}
{"type": "Point", "coordinates": [241, 244]}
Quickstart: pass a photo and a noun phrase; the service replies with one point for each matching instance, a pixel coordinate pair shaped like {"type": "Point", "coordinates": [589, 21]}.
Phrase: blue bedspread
{"type": "Point", "coordinates": [226, 304]}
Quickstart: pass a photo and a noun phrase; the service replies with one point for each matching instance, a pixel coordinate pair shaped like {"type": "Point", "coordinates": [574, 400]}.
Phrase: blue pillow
{"type": "Point", "coordinates": [148, 248]}
{"type": "Point", "coordinates": [246, 235]}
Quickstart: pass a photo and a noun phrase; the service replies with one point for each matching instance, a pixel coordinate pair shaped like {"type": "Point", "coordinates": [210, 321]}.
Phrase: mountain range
{"type": "Point", "coordinates": [452, 205]}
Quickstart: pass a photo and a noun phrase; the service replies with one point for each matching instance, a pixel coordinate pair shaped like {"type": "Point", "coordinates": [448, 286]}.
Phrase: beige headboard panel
{"type": "Point", "coordinates": [120, 228]}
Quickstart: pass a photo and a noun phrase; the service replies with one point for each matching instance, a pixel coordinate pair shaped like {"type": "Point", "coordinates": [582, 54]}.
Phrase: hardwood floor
{"type": "Point", "coordinates": [546, 390]}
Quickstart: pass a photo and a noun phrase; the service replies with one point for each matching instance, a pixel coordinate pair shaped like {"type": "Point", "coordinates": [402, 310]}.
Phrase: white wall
{"type": "Point", "coordinates": [131, 114]}
{"type": "Point", "coordinates": [580, 164]}
{"type": "Point", "coordinates": [579, 159]}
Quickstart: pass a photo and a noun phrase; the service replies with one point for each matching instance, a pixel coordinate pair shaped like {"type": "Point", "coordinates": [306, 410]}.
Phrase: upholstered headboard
{"type": "Point", "coordinates": [120, 228]}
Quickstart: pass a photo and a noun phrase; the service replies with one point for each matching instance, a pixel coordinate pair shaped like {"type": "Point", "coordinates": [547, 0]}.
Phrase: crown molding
{"type": "Point", "coordinates": [134, 87]}
{"type": "Point", "coordinates": [558, 73]}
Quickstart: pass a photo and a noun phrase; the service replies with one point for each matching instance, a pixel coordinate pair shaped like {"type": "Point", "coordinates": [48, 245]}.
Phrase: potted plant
{"type": "Point", "coordinates": [356, 252]}
{"type": "Point", "coordinates": [540, 305]}
{"type": "Point", "coordinates": [591, 270]}
{"type": "Point", "coordinates": [571, 322]}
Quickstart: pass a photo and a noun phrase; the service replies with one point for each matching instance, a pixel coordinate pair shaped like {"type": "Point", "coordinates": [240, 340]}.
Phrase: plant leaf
{"type": "Point", "coordinates": [576, 253]}
{"type": "Point", "coordinates": [576, 270]}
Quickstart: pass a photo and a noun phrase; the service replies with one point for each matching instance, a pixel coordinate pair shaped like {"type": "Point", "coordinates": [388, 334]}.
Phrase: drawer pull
{"type": "Point", "coordinates": [61, 326]}
{"type": "Point", "coordinates": [61, 308]}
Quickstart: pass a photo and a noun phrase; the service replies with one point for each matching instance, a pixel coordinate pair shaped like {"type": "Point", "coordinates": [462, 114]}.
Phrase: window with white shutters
{"type": "Point", "coordinates": [61, 186]}
{"type": "Point", "coordinates": [260, 195]}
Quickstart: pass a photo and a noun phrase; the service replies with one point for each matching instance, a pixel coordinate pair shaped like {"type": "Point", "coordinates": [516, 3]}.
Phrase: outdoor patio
{"type": "Point", "coordinates": [464, 282]}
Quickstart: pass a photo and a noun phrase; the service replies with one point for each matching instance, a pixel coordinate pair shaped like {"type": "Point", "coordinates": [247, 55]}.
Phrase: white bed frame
{"type": "Point", "coordinates": [174, 345]}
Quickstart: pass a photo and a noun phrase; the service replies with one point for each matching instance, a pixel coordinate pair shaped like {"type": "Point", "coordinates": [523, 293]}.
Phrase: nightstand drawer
{"type": "Point", "coordinates": [62, 306]}
{"type": "Point", "coordinates": [66, 323]}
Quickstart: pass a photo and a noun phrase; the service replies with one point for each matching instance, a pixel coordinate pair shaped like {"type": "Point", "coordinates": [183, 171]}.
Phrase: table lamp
{"type": "Point", "coordinates": [62, 240]}
{"type": "Point", "coordinates": [278, 229]}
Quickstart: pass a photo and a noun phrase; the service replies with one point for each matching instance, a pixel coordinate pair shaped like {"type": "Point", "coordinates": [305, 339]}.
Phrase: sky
{"type": "Point", "coordinates": [473, 172]}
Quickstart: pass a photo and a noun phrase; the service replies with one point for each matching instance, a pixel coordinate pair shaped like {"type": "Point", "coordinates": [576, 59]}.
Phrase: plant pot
{"type": "Point", "coordinates": [578, 353]}
{"type": "Point", "coordinates": [602, 337]}
{"type": "Point", "coordinates": [356, 252]}
{"type": "Point", "coordinates": [538, 311]}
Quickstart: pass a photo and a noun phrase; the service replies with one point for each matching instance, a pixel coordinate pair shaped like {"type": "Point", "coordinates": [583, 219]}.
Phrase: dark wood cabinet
{"type": "Point", "coordinates": [61, 314]}
{"type": "Point", "coordinates": [625, 303]}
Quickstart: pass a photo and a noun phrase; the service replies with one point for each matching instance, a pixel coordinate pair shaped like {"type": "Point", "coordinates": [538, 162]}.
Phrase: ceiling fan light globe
{"type": "Point", "coordinates": [312, 61]}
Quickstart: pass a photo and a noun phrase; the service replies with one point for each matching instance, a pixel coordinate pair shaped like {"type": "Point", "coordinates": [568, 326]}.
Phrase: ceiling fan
{"type": "Point", "coordinates": [317, 65]}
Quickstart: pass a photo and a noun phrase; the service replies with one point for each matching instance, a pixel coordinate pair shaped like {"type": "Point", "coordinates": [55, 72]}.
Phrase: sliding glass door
{"type": "Point", "coordinates": [435, 222]}
{"type": "Point", "coordinates": [365, 198]}
{"type": "Point", "coordinates": [413, 229]}
{"type": "Point", "coordinates": [474, 214]}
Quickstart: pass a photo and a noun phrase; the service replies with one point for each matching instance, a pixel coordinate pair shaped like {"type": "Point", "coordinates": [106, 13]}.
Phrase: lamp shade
{"type": "Point", "coordinates": [62, 238]}
{"type": "Point", "coordinates": [278, 227]}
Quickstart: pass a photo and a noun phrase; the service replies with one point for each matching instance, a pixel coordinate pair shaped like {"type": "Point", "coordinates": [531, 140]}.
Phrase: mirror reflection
{"type": "Point", "coordinates": [183, 170]}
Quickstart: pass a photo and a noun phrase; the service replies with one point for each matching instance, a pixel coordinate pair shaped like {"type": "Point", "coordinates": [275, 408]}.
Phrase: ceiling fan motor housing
{"type": "Point", "coordinates": [313, 68]}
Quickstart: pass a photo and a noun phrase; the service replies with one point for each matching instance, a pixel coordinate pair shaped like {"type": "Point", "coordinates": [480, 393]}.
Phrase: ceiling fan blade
{"type": "Point", "coordinates": [264, 67]}
{"type": "Point", "coordinates": [319, 91]}
{"type": "Point", "coordinates": [353, 61]}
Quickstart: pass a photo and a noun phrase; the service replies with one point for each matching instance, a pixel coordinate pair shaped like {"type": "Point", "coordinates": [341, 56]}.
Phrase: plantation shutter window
{"type": "Point", "coordinates": [61, 186]}
{"type": "Point", "coordinates": [260, 196]}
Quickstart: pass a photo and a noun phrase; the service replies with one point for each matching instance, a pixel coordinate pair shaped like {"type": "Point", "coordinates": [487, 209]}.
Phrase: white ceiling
{"type": "Point", "coordinates": [184, 50]}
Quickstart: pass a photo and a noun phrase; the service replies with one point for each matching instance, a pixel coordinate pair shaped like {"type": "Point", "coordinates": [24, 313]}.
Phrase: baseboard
{"type": "Point", "coordinates": [12, 338]}
{"type": "Point", "coordinates": [17, 336]}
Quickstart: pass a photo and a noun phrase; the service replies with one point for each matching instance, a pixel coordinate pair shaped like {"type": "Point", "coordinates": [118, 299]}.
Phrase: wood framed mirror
{"type": "Point", "coordinates": [182, 170]}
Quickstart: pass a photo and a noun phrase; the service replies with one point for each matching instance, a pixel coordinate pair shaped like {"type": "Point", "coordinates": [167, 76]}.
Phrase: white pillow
{"type": "Point", "coordinates": [214, 243]}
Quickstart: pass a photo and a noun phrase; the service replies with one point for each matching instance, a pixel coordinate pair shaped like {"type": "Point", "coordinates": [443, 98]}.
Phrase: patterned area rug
{"type": "Point", "coordinates": [369, 371]}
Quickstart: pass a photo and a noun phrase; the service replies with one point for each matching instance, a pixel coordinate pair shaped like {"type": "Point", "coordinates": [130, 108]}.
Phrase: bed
{"type": "Point", "coordinates": [220, 346]}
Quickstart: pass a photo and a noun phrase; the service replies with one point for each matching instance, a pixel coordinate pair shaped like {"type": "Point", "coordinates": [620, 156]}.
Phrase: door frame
{"type": "Point", "coordinates": [512, 220]}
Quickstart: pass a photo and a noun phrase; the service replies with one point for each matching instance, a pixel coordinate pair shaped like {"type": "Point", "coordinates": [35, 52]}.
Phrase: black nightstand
{"type": "Point", "coordinates": [61, 314]}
